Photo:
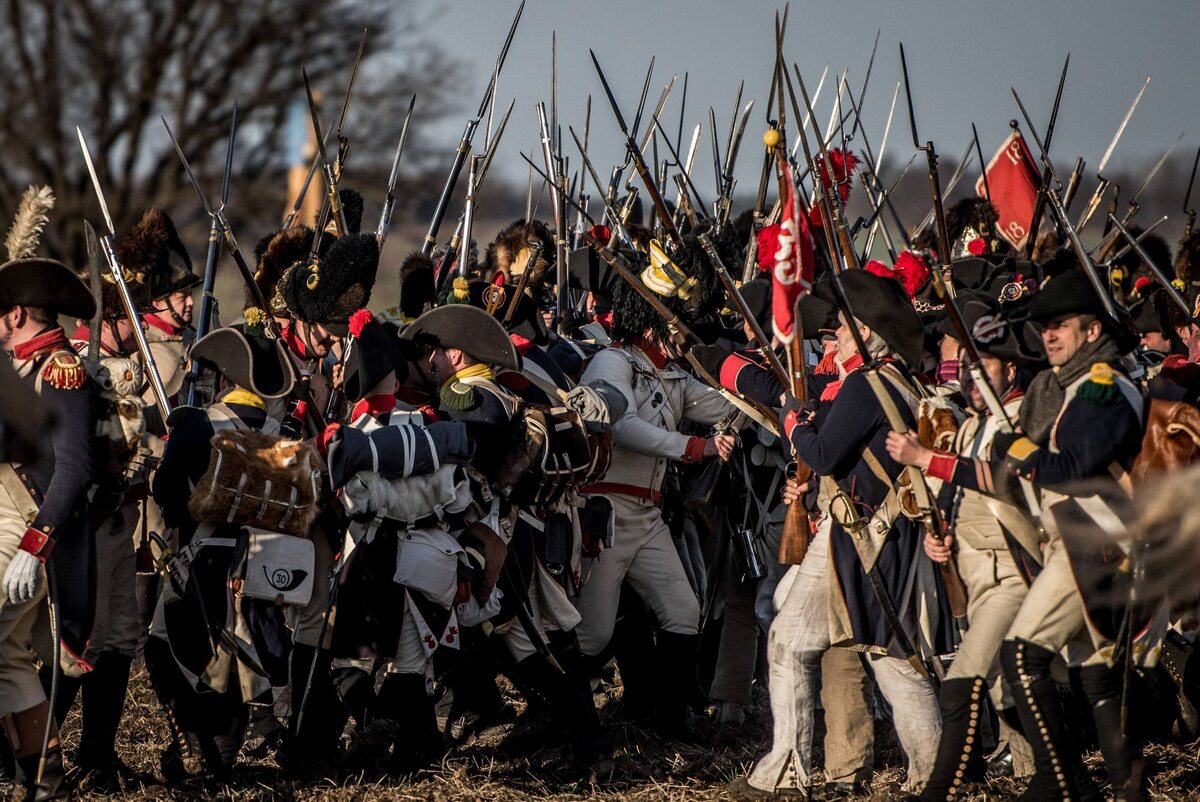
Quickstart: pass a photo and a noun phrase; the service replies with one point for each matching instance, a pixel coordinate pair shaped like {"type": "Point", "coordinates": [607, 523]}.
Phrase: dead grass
{"type": "Point", "coordinates": [525, 763]}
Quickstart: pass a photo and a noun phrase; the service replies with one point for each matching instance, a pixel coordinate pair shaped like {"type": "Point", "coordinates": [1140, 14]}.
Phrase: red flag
{"type": "Point", "coordinates": [1013, 180]}
{"type": "Point", "coordinates": [793, 271]}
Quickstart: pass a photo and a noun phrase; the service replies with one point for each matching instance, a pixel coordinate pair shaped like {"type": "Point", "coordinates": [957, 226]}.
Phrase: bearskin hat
{"type": "Point", "coordinates": [971, 226]}
{"type": "Point", "coordinates": [329, 290]}
{"type": "Point", "coordinates": [1187, 260]}
{"type": "Point", "coordinates": [111, 306]}
{"type": "Point", "coordinates": [510, 251]}
{"type": "Point", "coordinates": [152, 247]}
{"type": "Point", "coordinates": [418, 292]}
{"type": "Point", "coordinates": [273, 255]}
{"type": "Point", "coordinates": [352, 209]}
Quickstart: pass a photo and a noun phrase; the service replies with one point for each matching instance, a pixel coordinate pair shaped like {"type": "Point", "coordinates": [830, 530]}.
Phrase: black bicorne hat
{"type": "Point", "coordinates": [254, 363]}
{"type": "Point", "coordinates": [376, 351]}
{"type": "Point", "coordinates": [27, 279]}
{"type": "Point", "coordinates": [882, 305]}
{"type": "Point", "coordinates": [1072, 293]}
{"type": "Point", "coordinates": [470, 330]}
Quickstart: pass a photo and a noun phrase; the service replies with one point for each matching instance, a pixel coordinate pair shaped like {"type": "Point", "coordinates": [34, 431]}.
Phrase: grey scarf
{"type": "Point", "coordinates": [1046, 392]}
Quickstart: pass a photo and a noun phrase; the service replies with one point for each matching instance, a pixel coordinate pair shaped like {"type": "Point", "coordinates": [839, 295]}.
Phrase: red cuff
{"type": "Point", "coordinates": [37, 543]}
{"type": "Point", "coordinates": [790, 421]}
{"type": "Point", "coordinates": [301, 411]}
{"type": "Point", "coordinates": [730, 369]}
{"type": "Point", "coordinates": [322, 441]}
{"type": "Point", "coordinates": [694, 451]}
{"type": "Point", "coordinates": [942, 465]}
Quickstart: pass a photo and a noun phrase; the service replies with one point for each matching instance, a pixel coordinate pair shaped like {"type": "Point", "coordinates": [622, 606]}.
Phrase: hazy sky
{"type": "Point", "coordinates": [963, 57]}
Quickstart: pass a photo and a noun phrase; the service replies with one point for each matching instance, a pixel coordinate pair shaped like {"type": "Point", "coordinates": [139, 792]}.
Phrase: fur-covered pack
{"type": "Point", "coordinates": [259, 480]}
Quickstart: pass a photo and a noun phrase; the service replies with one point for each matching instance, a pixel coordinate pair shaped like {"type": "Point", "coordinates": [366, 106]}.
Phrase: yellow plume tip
{"type": "Point", "coordinates": [771, 137]}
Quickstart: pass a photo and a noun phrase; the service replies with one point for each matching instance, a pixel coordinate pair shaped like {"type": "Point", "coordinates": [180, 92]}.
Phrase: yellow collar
{"type": "Point", "coordinates": [244, 397]}
{"type": "Point", "coordinates": [471, 372]}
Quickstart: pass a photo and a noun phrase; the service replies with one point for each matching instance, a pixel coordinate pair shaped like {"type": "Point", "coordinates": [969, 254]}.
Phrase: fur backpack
{"type": "Point", "coordinates": [559, 456]}
{"type": "Point", "coordinates": [259, 480]}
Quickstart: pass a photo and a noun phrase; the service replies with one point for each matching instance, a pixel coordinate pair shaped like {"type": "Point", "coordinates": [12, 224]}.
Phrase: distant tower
{"type": "Point", "coordinates": [302, 147]}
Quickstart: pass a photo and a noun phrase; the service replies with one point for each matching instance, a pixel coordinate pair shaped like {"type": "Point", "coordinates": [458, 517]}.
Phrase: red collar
{"type": "Point", "coordinates": [54, 339]}
{"type": "Point", "coordinates": [292, 340]}
{"type": "Point", "coordinates": [415, 398]}
{"type": "Point", "coordinates": [374, 405]}
{"type": "Point", "coordinates": [83, 334]}
{"type": "Point", "coordinates": [654, 353]}
{"type": "Point", "coordinates": [151, 319]}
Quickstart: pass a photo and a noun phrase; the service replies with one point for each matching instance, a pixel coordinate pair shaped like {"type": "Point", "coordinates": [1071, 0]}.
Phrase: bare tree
{"type": "Point", "coordinates": [112, 66]}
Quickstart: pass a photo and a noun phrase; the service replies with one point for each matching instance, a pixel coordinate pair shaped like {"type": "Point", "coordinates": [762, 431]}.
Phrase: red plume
{"type": "Point", "coordinates": [910, 270]}
{"type": "Point", "coordinates": [359, 320]}
{"type": "Point", "coordinates": [843, 163]}
{"type": "Point", "coordinates": [768, 244]}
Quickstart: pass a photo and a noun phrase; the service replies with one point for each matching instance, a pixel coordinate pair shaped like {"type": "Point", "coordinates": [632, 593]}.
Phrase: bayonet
{"type": "Point", "coordinates": [1073, 183]}
{"type": "Point", "coordinates": [464, 142]}
{"type": "Point", "coordinates": [987, 190]}
{"type": "Point", "coordinates": [1040, 203]}
{"type": "Point", "coordinates": [118, 277]}
{"type": "Point", "coordinates": [685, 167]}
{"type": "Point", "coordinates": [343, 141]}
{"type": "Point", "coordinates": [332, 206]}
{"type": "Point", "coordinates": [935, 182]}
{"type": "Point", "coordinates": [1121, 129]}
{"type": "Point", "coordinates": [1187, 198]}
{"type": "Point", "coordinates": [639, 162]}
{"type": "Point", "coordinates": [964, 163]}
{"type": "Point", "coordinates": [1072, 234]}
{"type": "Point", "coordinates": [389, 201]}
{"type": "Point", "coordinates": [1137, 193]}
{"type": "Point", "coordinates": [862, 93]}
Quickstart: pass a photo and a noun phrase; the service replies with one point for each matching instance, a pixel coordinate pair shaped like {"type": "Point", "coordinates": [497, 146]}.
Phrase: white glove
{"type": "Point", "coordinates": [22, 578]}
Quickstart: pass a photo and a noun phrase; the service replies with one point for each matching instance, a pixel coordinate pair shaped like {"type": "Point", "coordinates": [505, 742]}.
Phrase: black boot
{"type": "Point", "coordinates": [8, 762]}
{"type": "Point", "coordinates": [1121, 749]}
{"type": "Point", "coordinates": [416, 742]}
{"type": "Point", "coordinates": [959, 757]}
{"type": "Point", "coordinates": [572, 707]}
{"type": "Point", "coordinates": [314, 748]}
{"type": "Point", "coordinates": [632, 645]}
{"type": "Point", "coordinates": [1059, 771]}
{"type": "Point", "coordinates": [677, 656]}
{"type": "Point", "coordinates": [104, 690]}
{"type": "Point", "coordinates": [53, 784]}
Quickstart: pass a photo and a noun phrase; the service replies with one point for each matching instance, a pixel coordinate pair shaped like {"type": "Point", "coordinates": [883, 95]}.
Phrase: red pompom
{"type": "Point", "coordinates": [977, 247]}
{"type": "Point", "coordinates": [768, 244]}
{"type": "Point", "coordinates": [359, 320]}
{"type": "Point", "coordinates": [601, 233]}
{"type": "Point", "coordinates": [498, 278]}
{"type": "Point", "coordinates": [1142, 285]}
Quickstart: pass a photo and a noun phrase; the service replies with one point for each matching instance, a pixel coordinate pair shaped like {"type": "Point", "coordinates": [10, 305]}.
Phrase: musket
{"type": "Point", "coordinates": [558, 193]}
{"type": "Point", "coordinates": [1040, 204]}
{"type": "Point", "coordinates": [1154, 269]}
{"type": "Point", "coordinates": [1056, 207]}
{"type": "Point", "coordinates": [964, 163]}
{"type": "Point", "coordinates": [231, 246]}
{"type": "Point", "coordinates": [118, 277]}
{"type": "Point", "coordinates": [1187, 197]}
{"type": "Point", "coordinates": [464, 143]}
{"type": "Point", "coordinates": [686, 169]}
{"type": "Point", "coordinates": [457, 239]}
{"type": "Point", "coordinates": [207, 299]}
{"type": "Point", "coordinates": [584, 198]}
{"type": "Point", "coordinates": [535, 250]}
{"type": "Point", "coordinates": [639, 161]}
{"type": "Point", "coordinates": [681, 336]}
{"type": "Point", "coordinates": [610, 213]}
{"type": "Point", "coordinates": [389, 201]}
{"type": "Point", "coordinates": [617, 174]}
{"type": "Point", "coordinates": [332, 205]}
{"type": "Point", "coordinates": [935, 183]}
{"type": "Point", "coordinates": [1145, 233]}
{"type": "Point", "coordinates": [96, 284]}
{"type": "Point", "coordinates": [343, 144]}
{"type": "Point", "coordinates": [1102, 186]}
{"type": "Point", "coordinates": [1073, 183]}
